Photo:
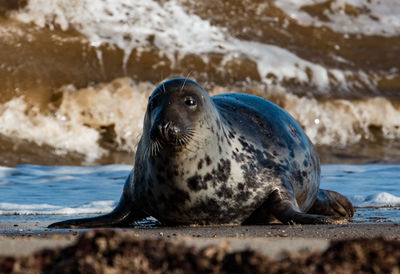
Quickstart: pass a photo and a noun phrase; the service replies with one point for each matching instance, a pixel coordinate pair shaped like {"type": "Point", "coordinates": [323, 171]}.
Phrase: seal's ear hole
{"type": "Point", "coordinates": [190, 101]}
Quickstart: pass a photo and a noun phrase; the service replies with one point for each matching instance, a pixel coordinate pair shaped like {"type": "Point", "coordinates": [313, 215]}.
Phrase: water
{"type": "Point", "coordinates": [61, 192]}
{"type": "Point", "coordinates": [373, 189]}
{"type": "Point", "coordinates": [75, 78]}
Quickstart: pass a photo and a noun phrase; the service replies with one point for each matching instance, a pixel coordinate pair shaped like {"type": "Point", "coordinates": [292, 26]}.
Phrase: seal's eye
{"type": "Point", "coordinates": [190, 101]}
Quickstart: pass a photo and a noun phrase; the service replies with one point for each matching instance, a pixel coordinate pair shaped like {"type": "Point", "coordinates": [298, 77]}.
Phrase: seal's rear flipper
{"type": "Point", "coordinates": [122, 216]}
{"type": "Point", "coordinates": [333, 204]}
{"type": "Point", "coordinates": [284, 207]}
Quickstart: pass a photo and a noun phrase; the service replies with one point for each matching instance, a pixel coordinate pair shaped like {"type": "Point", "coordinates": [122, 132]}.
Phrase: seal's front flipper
{"type": "Point", "coordinates": [108, 220]}
{"type": "Point", "coordinates": [284, 207]}
{"type": "Point", "coordinates": [333, 204]}
{"type": "Point", "coordinates": [122, 216]}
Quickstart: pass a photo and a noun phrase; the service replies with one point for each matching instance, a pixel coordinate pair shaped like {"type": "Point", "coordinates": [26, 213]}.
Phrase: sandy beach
{"type": "Point", "coordinates": [24, 242]}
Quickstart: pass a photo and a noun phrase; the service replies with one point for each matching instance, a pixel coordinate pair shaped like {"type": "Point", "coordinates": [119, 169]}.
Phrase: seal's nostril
{"type": "Point", "coordinates": [175, 130]}
{"type": "Point", "coordinates": [165, 129]}
{"type": "Point", "coordinates": [166, 124]}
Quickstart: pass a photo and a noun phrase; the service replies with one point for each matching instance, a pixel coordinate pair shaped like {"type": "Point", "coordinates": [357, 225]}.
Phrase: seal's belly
{"type": "Point", "coordinates": [204, 212]}
{"type": "Point", "coordinates": [221, 205]}
{"type": "Point", "coordinates": [230, 191]}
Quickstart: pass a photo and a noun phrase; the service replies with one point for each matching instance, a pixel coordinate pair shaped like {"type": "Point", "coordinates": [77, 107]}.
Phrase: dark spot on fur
{"type": "Point", "coordinates": [240, 186]}
{"type": "Point", "coordinates": [251, 149]}
{"type": "Point", "coordinates": [220, 149]}
{"type": "Point", "coordinates": [200, 164]}
{"type": "Point", "coordinates": [208, 177]}
{"type": "Point", "coordinates": [296, 173]}
{"type": "Point", "coordinates": [266, 162]}
{"type": "Point", "coordinates": [294, 132]}
{"type": "Point", "coordinates": [242, 196]}
{"type": "Point", "coordinates": [208, 160]}
{"type": "Point", "coordinates": [231, 135]}
{"type": "Point", "coordinates": [224, 192]}
{"type": "Point", "coordinates": [235, 156]}
{"type": "Point", "coordinates": [218, 124]}
{"type": "Point", "coordinates": [196, 183]}
{"type": "Point", "coordinates": [238, 157]}
{"type": "Point", "coordinates": [305, 163]}
{"type": "Point", "coordinates": [249, 175]}
{"type": "Point", "coordinates": [243, 142]}
{"type": "Point", "coordinates": [224, 170]}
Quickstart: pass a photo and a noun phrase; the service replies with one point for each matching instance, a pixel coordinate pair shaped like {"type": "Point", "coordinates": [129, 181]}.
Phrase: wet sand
{"type": "Point", "coordinates": [32, 248]}
{"type": "Point", "coordinates": [271, 240]}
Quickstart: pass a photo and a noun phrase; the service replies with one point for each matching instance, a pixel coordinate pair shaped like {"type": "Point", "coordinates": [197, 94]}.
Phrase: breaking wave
{"type": "Point", "coordinates": [76, 75]}
{"type": "Point", "coordinates": [110, 116]}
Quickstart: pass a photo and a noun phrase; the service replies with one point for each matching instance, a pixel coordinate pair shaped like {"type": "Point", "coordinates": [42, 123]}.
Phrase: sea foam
{"type": "Point", "coordinates": [96, 207]}
{"type": "Point", "coordinates": [79, 121]}
{"type": "Point", "coordinates": [176, 32]}
{"type": "Point", "coordinates": [89, 117]}
{"type": "Point", "coordinates": [376, 200]}
{"type": "Point", "coordinates": [373, 17]}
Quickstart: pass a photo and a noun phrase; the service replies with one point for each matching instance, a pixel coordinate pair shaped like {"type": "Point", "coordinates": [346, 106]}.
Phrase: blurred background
{"type": "Point", "coordinates": [75, 75]}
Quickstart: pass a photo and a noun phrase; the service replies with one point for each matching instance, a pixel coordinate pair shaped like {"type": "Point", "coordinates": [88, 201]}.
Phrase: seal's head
{"type": "Point", "coordinates": [175, 113]}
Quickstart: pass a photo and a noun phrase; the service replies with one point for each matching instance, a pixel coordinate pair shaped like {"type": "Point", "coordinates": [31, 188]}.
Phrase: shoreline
{"type": "Point", "coordinates": [223, 249]}
{"type": "Point", "coordinates": [266, 239]}
{"type": "Point", "coordinates": [36, 225]}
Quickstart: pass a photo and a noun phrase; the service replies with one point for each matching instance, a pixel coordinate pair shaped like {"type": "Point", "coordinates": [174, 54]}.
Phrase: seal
{"type": "Point", "coordinates": [226, 159]}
